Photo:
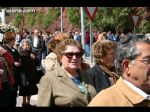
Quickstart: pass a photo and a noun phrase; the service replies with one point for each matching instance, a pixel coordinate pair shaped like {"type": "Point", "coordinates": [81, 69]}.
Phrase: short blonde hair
{"type": "Point", "coordinates": [52, 44]}
{"type": "Point", "coordinates": [61, 36]}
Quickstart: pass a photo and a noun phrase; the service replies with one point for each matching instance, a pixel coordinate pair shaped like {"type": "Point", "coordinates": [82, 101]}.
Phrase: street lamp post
{"type": "Point", "coordinates": [2, 16]}
{"type": "Point", "coordinates": [82, 29]}
{"type": "Point", "coordinates": [61, 19]}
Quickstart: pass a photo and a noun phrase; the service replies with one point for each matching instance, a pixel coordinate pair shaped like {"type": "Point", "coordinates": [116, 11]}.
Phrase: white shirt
{"type": "Point", "coordinates": [1, 37]}
{"type": "Point", "coordinates": [146, 96]}
{"type": "Point", "coordinates": [75, 37]}
{"type": "Point", "coordinates": [17, 41]}
{"type": "Point", "coordinates": [35, 42]}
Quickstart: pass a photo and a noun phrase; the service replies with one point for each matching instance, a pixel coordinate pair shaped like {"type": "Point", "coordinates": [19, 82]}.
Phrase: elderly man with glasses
{"type": "Point", "coordinates": [133, 64]}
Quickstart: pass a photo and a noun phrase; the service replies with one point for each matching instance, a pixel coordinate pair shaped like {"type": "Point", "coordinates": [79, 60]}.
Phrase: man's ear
{"type": "Point", "coordinates": [126, 66]}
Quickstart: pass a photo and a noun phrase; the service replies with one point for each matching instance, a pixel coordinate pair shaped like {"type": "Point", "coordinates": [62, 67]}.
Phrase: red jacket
{"type": "Point", "coordinates": [8, 60]}
{"type": "Point", "coordinates": [87, 39]}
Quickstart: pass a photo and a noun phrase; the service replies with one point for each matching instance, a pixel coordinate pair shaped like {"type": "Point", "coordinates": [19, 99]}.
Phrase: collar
{"type": "Point", "coordinates": [68, 74]}
{"type": "Point", "coordinates": [11, 48]}
{"type": "Point", "coordinates": [63, 73]}
{"type": "Point", "coordinates": [133, 96]}
{"type": "Point", "coordinates": [138, 90]}
{"type": "Point", "coordinates": [8, 46]}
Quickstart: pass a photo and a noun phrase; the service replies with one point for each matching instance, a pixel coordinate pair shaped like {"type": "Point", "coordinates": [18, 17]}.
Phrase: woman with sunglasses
{"type": "Point", "coordinates": [67, 86]}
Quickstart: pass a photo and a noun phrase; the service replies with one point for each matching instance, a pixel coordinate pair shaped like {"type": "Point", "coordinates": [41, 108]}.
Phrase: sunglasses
{"type": "Point", "coordinates": [71, 54]}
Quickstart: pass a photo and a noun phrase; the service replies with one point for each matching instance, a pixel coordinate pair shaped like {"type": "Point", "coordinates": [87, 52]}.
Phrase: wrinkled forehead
{"type": "Point", "coordinates": [144, 49]}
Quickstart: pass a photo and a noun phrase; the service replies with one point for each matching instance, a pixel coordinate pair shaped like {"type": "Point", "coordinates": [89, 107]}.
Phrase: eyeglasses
{"type": "Point", "coordinates": [145, 61]}
{"type": "Point", "coordinates": [71, 54]}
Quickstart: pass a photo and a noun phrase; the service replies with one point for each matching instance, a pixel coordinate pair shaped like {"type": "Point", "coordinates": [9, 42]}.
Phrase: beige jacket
{"type": "Point", "coordinates": [119, 94]}
{"type": "Point", "coordinates": [57, 89]}
{"type": "Point", "coordinates": [50, 62]}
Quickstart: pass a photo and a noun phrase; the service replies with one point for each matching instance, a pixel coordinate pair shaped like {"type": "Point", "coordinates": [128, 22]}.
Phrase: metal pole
{"type": "Point", "coordinates": [82, 30]}
{"type": "Point", "coordinates": [91, 41]}
{"type": "Point", "coordinates": [61, 19]}
{"type": "Point", "coordinates": [3, 16]}
{"type": "Point", "coordinates": [134, 30]}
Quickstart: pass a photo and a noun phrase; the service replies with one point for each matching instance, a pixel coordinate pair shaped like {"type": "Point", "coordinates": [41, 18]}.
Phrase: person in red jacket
{"type": "Point", "coordinates": [6, 77]}
{"type": "Point", "coordinates": [87, 44]}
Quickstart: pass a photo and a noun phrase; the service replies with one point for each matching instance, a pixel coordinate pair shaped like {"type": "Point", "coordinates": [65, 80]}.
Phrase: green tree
{"type": "Point", "coordinates": [112, 17]}
{"type": "Point", "coordinates": [145, 27]}
{"type": "Point", "coordinates": [106, 17]}
{"type": "Point", "coordinates": [17, 21]}
{"type": "Point", "coordinates": [52, 15]}
{"type": "Point", "coordinates": [31, 20]}
{"type": "Point", "coordinates": [74, 16]}
{"type": "Point", "coordinates": [39, 19]}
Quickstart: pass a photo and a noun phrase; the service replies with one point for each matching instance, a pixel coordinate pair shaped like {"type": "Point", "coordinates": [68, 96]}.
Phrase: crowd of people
{"type": "Point", "coordinates": [120, 75]}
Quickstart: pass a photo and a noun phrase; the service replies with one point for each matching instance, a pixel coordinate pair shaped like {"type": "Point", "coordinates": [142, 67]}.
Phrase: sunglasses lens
{"type": "Point", "coordinates": [70, 55]}
{"type": "Point", "coordinates": [78, 55]}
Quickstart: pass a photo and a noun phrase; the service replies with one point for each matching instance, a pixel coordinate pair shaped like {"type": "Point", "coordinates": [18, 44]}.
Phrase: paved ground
{"type": "Point", "coordinates": [88, 60]}
{"type": "Point", "coordinates": [33, 100]}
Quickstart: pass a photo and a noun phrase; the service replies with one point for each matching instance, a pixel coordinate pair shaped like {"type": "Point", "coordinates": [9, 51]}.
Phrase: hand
{"type": "Point", "coordinates": [2, 50]}
{"type": "Point", "coordinates": [17, 64]}
{"type": "Point", "coordinates": [32, 56]}
{"type": "Point", "coordinates": [1, 71]}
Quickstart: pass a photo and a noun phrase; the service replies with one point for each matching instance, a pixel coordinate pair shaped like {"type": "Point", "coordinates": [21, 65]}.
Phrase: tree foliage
{"type": "Point", "coordinates": [31, 20]}
{"type": "Point", "coordinates": [52, 15]}
{"type": "Point", "coordinates": [106, 18]}
{"type": "Point", "coordinates": [74, 16]}
{"type": "Point", "coordinates": [39, 19]}
{"type": "Point", "coordinates": [18, 19]}
{"type": "Point", "coordinates": [111, 17]}
{"type": "Point", "coordinates": [145, 28]}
